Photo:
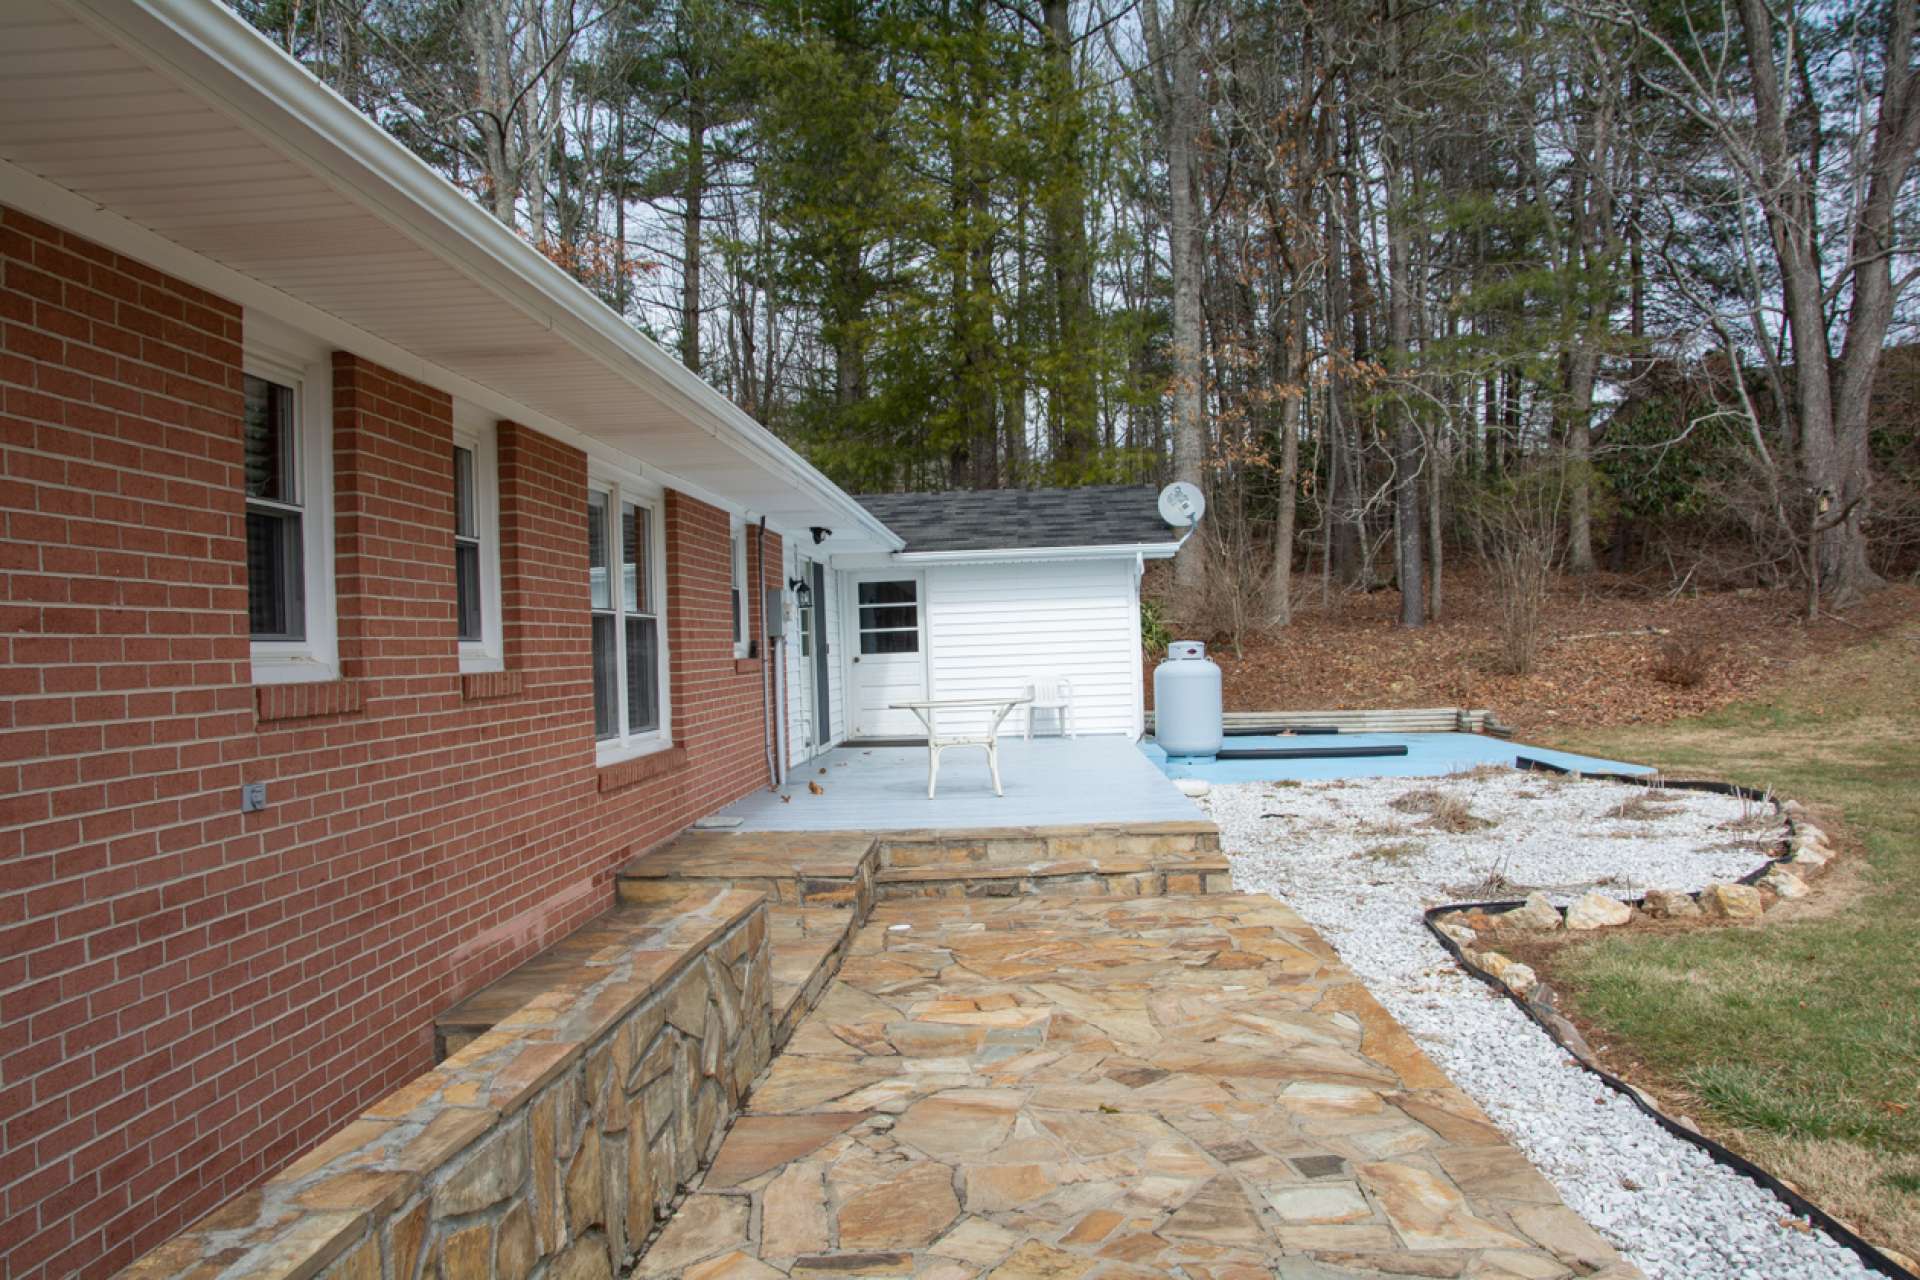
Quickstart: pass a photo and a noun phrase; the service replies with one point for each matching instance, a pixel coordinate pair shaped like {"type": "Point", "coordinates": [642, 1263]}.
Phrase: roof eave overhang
{"type": "Point", "coordinates": [206, 46]}
{"type": "Point", "coordinates": [1108, 551]}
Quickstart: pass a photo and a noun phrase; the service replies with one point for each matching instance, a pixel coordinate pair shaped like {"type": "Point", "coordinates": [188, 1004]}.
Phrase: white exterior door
{"type": "Point", "coordinates": [887, 621]}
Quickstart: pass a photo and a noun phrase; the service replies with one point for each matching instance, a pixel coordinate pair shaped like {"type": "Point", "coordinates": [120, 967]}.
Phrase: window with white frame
{"type": "Point", "coordinates": [276, 513]}
{"type": "Point", "coordinates": [625, 553]}
{"type": "Point", "coordinates": [742, 643]}
{"type": "Point", "coordinates": [476, 547]}
{"type": "Point", "coordinates": [286, 469]}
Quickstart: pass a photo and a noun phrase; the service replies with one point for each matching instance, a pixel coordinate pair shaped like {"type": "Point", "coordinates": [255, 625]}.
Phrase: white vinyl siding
{"type": "Point", "coordinates": [992, 627]}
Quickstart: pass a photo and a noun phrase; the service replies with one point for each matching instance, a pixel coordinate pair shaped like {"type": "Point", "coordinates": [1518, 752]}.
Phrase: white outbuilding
{"type": "Point", "coordinates": [995, 590]}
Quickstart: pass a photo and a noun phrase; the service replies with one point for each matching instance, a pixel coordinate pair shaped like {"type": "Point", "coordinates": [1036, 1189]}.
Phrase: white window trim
{"type": "Point", "coordinates": [281, 355]}
{"type": "Point", "coordinates": [623, 487]}
{"type": "Point", "coordinates": [477, 433]}
{"type": "Point", "coordinates": [737, 581]}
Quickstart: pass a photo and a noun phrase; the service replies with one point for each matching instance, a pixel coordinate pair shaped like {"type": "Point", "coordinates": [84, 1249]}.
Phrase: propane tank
{"type": "Point", "coordinates": [1186, 701]}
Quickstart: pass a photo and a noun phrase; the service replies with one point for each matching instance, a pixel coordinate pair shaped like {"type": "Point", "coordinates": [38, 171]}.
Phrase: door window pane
{"type": "Point", "coordinates": [893, 616]}
{"type": "Point", "coordinates": [903, 591]}
{"type": "Point", "coordinates": [889, 617]}
{"type": "Point", "coordinates": [890, 641]}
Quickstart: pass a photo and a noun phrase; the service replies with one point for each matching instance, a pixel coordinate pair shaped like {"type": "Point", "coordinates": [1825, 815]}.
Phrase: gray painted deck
{"type": "Point", "coordinates": [1048, 782]}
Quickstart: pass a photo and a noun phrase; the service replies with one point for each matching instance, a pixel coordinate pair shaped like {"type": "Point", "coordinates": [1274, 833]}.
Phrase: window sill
{"type": "Point", "coordinates": [475, 662]}
{"type": "Point", "coordinates": [279, 667]}
{"type": "Point", "coordinates": [482, 686]}
{"type": "Point", "coordinates": [306, 701]}
{"type": "Point", "coordinates": [655, 764]}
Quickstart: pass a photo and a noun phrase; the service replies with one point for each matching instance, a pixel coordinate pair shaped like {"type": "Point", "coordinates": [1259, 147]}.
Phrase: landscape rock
{"type": "Point", "coordinates": [1536, 915]}
{"type": "Point", "coordinates": [1809, 833]}
{"type": "Point", "coordinates": [1458, 932]}
{"type": "Point", "coordinates": [1732, 902]}
{"type": "Point", "coordinates": [1670, 904]}
{"type": "Point", "coordinates": [1597, 911]}
{"type": "Point", "coordinates": [1811, 855]}
{"type": "Point", "coordinates": [1785, 883]}
{"type": "Point", "coordinates": [1195, 787]}
{"type": "Point", "coordinates": [1520, 979]}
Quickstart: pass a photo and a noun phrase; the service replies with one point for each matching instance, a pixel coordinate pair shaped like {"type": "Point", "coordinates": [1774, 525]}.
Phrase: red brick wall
{"type": "Point", "coordinates": [188, 997]}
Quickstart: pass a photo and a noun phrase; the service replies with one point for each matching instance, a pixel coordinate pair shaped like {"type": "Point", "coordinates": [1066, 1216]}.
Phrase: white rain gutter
{"type": "Point", "coordinates": [1110, 551]}
{"type": "Point", "coordinates": [268, 91]}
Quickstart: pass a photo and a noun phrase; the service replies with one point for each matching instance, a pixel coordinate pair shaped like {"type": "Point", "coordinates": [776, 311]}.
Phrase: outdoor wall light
{"type": "Point", "coordinates": [802, 593]}
{"type": "Point", "coordinates": [820, 534]}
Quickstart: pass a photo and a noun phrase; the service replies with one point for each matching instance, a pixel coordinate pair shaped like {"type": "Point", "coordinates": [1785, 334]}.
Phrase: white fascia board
{"type": "Point", "coordinates": [1117, 551]}
{"type": "Point", "coordinates": [213, 52]}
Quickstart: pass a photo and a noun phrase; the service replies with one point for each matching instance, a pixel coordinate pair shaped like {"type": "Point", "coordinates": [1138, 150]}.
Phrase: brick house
{"type": "Point", "coordinates": [368, 592]}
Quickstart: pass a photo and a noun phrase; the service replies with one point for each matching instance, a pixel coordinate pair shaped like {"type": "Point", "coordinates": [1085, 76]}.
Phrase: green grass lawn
{"type": "Point", "coordinates": [1797, 1042]}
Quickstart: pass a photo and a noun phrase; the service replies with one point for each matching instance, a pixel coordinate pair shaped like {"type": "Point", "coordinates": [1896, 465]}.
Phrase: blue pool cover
{"type": "Point", "coordinates": [1429, 755]}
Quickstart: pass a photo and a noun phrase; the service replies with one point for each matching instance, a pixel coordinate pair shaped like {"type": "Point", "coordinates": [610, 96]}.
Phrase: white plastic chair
{"type": "Point", "coordinates": [1051, 693]}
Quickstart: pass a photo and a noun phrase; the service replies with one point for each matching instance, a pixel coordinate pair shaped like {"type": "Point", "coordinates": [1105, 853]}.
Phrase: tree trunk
{"type": "Point", "coordinates": [1581, 362]}
{"type": "Point", "coordinates": [1073, 401]}
{"type": "Point", "coordinates": [1832, 417]}
{"type": "Point", "coordinates": [1178, 53]}
{"type": "Point", "coordinates": [1280, 580]}
{"type": "Point", "coordinates": [694, 201]}
{"type": "Point", "coordinates": [1406, 444]}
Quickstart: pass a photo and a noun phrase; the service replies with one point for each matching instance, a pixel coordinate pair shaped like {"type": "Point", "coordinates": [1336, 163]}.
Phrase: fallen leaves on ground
{"type": "Point", "coordinates": [1601, 641]}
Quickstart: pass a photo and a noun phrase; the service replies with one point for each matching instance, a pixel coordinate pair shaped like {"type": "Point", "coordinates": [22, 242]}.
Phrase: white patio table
{"type": "Point", "coordinates": [998, 709]}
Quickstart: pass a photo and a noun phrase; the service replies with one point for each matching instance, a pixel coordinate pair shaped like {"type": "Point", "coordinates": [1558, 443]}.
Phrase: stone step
{"type": "Point", "coordinates": [794, 869]}
{"type": "Point", "coordinates": [649, 927]}
{"type": "Point", "coordinates": [1109, 875]}
{"type": "Point", "coordinates": [808, 944]}
{"type": "Point", "coordinates": [1027, 846]}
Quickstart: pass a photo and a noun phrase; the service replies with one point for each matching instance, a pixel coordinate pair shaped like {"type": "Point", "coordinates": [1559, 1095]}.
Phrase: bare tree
{"type": "Point", "coordinates": [1173, 49]}
{"type": "Point", "coordinates": [1826, 166]}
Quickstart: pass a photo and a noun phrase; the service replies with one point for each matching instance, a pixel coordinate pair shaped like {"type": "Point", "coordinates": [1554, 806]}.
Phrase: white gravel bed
{"type": "Point", "coordinates": [1362, 872]}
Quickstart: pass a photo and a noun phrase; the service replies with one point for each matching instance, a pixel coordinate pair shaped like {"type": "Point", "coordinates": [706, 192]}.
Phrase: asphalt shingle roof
{"type": "Point", "coordinates": [1018, 519]}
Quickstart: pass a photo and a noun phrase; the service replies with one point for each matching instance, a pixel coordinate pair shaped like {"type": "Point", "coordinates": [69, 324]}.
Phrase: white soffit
{"type": "Point", "coordinates": [177, 117]}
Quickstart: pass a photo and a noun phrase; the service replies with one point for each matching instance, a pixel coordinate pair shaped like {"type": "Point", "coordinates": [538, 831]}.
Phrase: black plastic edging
{"type": "Point", "coordinates": [1871, 1257]}
{"type": "Point", "coordinates": [1304, 753]}
{"type": "Point", "coordinates": [1280, 730]}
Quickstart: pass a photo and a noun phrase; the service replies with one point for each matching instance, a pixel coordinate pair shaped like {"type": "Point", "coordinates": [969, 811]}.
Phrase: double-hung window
{"type": "Point", "coordinates": [285, 467]}
{"type": "Point", "coordinates": [276, 513]}
{"type": "Point", "coordinates": [476, 546]}
{"type": "Point", "coordinates": [625, 553]}
{"type": "Point", "coordinates": [737, 554]}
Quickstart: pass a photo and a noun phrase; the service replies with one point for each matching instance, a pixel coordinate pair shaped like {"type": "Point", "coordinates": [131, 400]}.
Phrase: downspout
{"type": "Point", "coordinates": [766, 655]}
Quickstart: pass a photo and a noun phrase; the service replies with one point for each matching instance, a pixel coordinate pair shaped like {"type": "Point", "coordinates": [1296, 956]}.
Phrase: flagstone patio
{"type": "Point", "coordinates": [1036, 1088]}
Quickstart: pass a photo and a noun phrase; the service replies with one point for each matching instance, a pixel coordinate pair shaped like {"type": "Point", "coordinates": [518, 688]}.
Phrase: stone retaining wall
{"type": "Point", "coordinates": [558, 1138]}
{"type": "Point", "coordinates": [1008, 846]}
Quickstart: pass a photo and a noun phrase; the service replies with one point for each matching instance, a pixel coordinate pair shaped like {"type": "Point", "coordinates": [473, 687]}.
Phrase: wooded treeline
{"type": "Point", "coordinates": [1573, 282]}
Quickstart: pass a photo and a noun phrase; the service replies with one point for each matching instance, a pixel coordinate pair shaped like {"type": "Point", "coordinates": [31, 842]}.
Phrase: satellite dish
{"type": "Point", "coordinates": [1182, 504]}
